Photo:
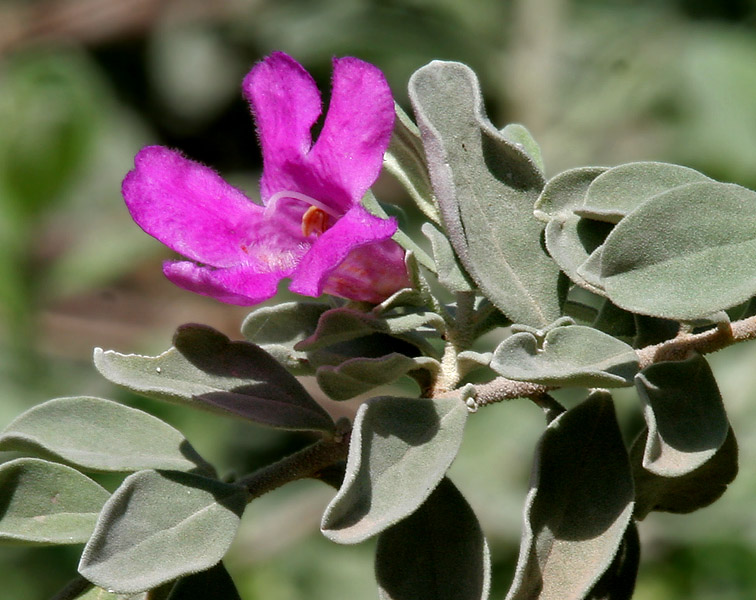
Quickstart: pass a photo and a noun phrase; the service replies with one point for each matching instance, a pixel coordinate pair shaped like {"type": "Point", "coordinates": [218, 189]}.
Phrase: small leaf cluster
{"type": "Point", "coordinates": [596, 278]}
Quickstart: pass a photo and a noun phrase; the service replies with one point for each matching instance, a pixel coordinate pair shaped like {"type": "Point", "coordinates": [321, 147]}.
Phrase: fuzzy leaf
{"type": "Point", "coordinates": [100, 435]}
{"type": "Point", "coordinates": [579, 504]}
{"type": "Point", "coordinates": [47, 503]}
{"type": "Point", "coordinates": [161, 525]}
{"type": "Point", "coordinates": [686, 493]}
{"type": "Point", "coordinates": [450, 273]}
{"type": "Point", "coordinates": [618, 582]}
{"type": "Point", "coordinates": [276, 329]}
{"type": "Point", "coordinates": [620, 190]}
{"type": "Point", "coordinates": [684, 254]}
{"type": "Point", "coordinates": [570, 239]}
{"type": "Point", "coordinates": [359, 375]}
{"type": "Point", "coordinates": [405, 160]}
{"type": "Point", "coordinates": [437, 553]}
{"type": "Point", "coordinates": [207, 371]}
{"type": "Point", "coordinates": [344, 324]}
{"type": "Point", "coordinates": [572, 355]}
{"type": "Point", "coordinates": [399, 451]}
{"type": "Point", "coordinates": [686, 419]}
{"type": "Point", "coordinates": [486, 187]}
{"type": "Point", "coordinates": [523, 139]}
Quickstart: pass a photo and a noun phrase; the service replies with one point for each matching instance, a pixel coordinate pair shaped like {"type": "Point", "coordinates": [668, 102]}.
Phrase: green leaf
{"type": "Point", "coordinates": [359, 375]}
{"type": "Point", "coordinates": [100, 435]}
{"type": "Point", "coordinates": [399, 451]}
{"type": "Point", "coordinates": [686, 493]}
{"type": "Point", "coordinates": [81, 589]}
{"type": "Point", "coordinates": [684, 254]}
{"type": "Point", "coordinates": [161, 525]}
{"type": "Point", "coordinates": [570, 239]}
{"type": "Point", "coordinates": [344, 324]}
{"type": "Point", "coordinates": [522, 138]}
{"type": "Point", "coordinates": [213, 583]}
{"type": "Point", "coordinates": [618, 581]}
{"type": "Point", "coordinates": [437, 553]}
{"type": "Point", "coordinates": [572, 355]}
{"type": "Point", "coordinates": [620, 190]}
{"type": "Point", "coordinates": [405, 160]}
{"type": "Point", "coordinates": [47, 503]}
{"type": "Point", "coordinates": [450, 273]}
{"type": "Point", "coordinates": [579, 504]}
{"type": "Point", "coordinates": [486, 187]}
{"type": "Point", "coordinates": [686, 419]}
{"type": "Point", "coordinates": [205, 370]}
{"type": "Point", "coordinates": [276, 329]}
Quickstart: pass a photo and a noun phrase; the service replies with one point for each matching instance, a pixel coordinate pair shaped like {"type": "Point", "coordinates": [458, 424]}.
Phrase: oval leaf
{"type": "Point", "coordinates": [570, 239]}
{"type": "Point", "coordinates": [47, 503]}
{"type": "Point", "coordinates": [620, 190]}
{"type": "Point", "coordinates": [618, 582]}
{"type": "Point", "coordinates": [206, 370]}
{"type": "Point", "coordinates": [684, 254]}
{"type": "Point", "coordinates": [486, 187]}
{"type": "Point", "coordinates": [450, 273]}
{"type": "Point", "coordinates": [579, 504]}
{"type": "Point", "coordinates": [437, 553]}
{"type": "Point", "coordinates": [572, 355]}
{"type": "Point", "coordinates": [276, 329]}
{"type": "Point", "coordinates": [100, 435]}
{"type": "Point", "coordinates": [686, 419]}
{"type": "Point", "coordinates": [686, 493]}
{"type": "Point", "coordinates": [359, 375]}
{"type": "Point", "coordinates": [159, 526]}
{"type": "Point", "coordinates": [399, 451]}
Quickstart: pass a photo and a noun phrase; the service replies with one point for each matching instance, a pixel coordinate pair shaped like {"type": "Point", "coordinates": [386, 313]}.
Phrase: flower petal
{"type": "Point", "coordinates": [236, 285]}
{"type": "Point", "coordinates": [355, 229]}
{"type": "Point", "coordinates": [357, 129]}
{"type": "Point", "coordinates": [286, 103]}
{"type": "Point", "coordinates": [189, 207]}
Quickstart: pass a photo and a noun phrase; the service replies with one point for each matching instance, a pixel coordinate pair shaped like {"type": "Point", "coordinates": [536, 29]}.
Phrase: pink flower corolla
{"type": "Point", "coordinates": [311, 227]}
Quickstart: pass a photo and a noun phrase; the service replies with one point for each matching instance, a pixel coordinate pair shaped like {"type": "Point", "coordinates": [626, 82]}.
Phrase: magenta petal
{"type": "Point", "coordinates": [355, 229]}
{"type": "Point", "coordinates": [235, 285]}
{"type": "Point", "coordinates": [286, 103]}
{"type": "Point", "coordinates": [357, 128]}
{"type": "Point", "coordinates": [189, 207]}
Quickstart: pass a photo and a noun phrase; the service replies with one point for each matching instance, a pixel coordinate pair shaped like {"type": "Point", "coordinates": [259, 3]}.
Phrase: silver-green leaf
{"type": "Point", "coordinates": [579, 505]}
{"type": "Point", "coordinates": [206, 370]}
{"type": "Point", "coordinates": [100, 435]}
{"type": "Point", "coordinates": [686, 419]}
{"type": "Point", "coordinates": [47, 503]}
{"type": "Point", "coordinates": [486, 187]}
{"type": "Point", "coordinates": [684, 254]}
{"type": "Point", "coordinates": [161, 525]}
{"type": "Point", "coordinates": [400, 450]}
{"type": "Point", "coordinates": [573, 355]}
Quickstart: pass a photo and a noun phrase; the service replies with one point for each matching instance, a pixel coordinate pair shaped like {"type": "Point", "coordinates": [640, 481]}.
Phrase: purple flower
{"type": "Point", "coordinates": [312, 227]}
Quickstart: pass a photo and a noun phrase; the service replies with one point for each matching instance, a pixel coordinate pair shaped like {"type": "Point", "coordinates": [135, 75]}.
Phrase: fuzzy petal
{"type": "Point", "coordinates": [189, 207]}
{"type": "Point", "coordinates": [355, 229]}
{"type": "Point", "coordinates": [357, 128]}
{"type": "Point", "coordinates": [286, 103]}
{"type": "Point", "coordinates": [236, 285]}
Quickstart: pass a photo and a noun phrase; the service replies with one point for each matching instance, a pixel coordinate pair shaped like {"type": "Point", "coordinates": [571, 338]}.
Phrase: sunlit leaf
{"type": "Point", "coordinates": [161, 525]}
{"type": "Point", "coordinates": [486, 187]}
{"type": "Point", "coordinates": [100, 435]}
{"type": "Point", "coordinates": [579, 504]}
{"type": "Point", "coordinates": [47, 503]}
{"type": "Point", "coordinates": [399, 451]}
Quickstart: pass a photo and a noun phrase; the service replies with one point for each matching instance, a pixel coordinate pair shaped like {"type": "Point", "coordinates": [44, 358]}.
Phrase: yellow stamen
{"type": "Point", "coordinates": [314, 221]}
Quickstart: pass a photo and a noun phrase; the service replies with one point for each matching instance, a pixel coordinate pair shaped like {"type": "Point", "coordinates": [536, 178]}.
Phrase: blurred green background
{"type": "Point", "coordinates": [85, 83]}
